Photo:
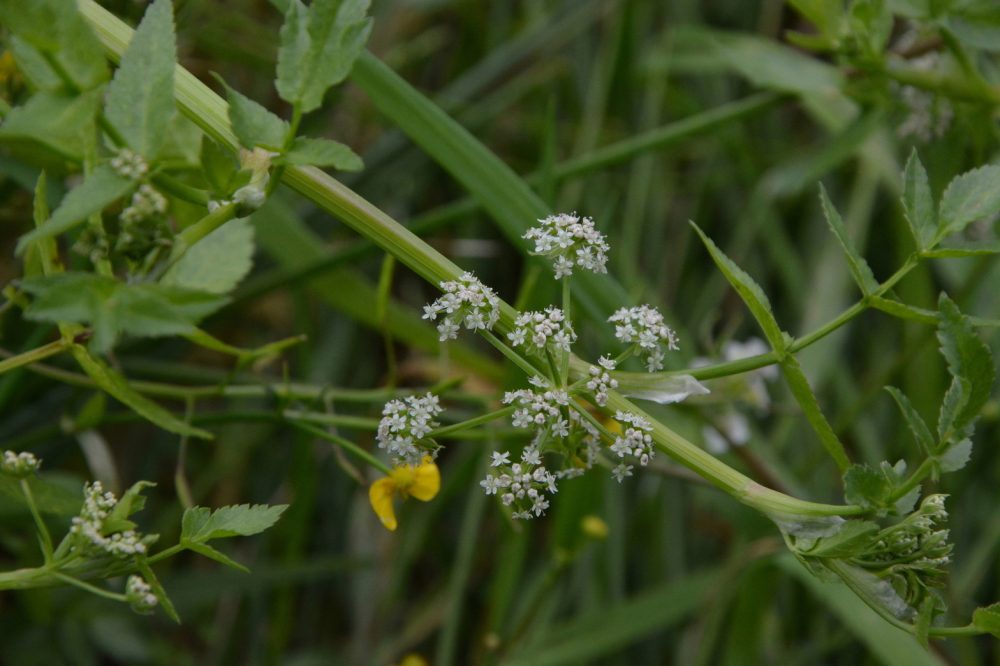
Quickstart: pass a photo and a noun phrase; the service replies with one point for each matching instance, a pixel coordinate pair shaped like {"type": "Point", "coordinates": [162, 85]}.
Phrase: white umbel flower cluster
{"type": "Point", "coordinates": [146, 202]}
{"type": "Point", "coordinates": [466, 302]}
{"type": "Point", "coordinates": [571, 242]}
{"type": "Point", "coordinates": [19, 465]}
{"type": "Point", "coordinates": [521, 485]}
{"type": "Point", "coordinates": [635, 439]}
{"type": "Point", "coordinates": [404, 426]}
{"type": "Point", "coordinates": [129, 164]}
{"type": "Point", "coordinates": [140, 595]}
{"type": "Point", "coordinates": [88, 527]}
{"type": "Point", "coordinates": [601, 381]}
{"type": "Point", "coordinates": [644, 326]}
{"type": "Point", "coordinates": [534, 331]}
{"type": "Point", "coordinates": [541, 410]}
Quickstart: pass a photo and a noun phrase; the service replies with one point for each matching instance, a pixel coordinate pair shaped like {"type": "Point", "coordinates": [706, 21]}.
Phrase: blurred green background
{"type": "Point", "coordinates": [643, 115]}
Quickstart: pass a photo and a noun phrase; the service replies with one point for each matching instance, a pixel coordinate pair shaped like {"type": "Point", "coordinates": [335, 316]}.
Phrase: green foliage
{"type": "Point", "coordinates": [916, 423]}
{"type": "Point", "coordinates": [200, 524]}
{"type": "Point", "coordinates": [877, 487]}
{"type": "Point", "coordinates": [253, 124]}
{"type": "Point", "coordinates": [217, 263]}
{"type": "Point", "coordinates": [64, 124]}
{"type": "Point", "coordinates": [918, 203]}
{"type": "Point", "coordinates": [971, 366]}
{"type": "Point", "coordinates": [988, 619]}
{"type": "Point", "coordinates": [114, 308]}
{"type": "Point", "coordinates": [140, 102]}
{"type": "Point", "coordinates": [969, 197]}
{"type": "Point", "coordinates": [322, 153]}
{"type": "Point", "coordinates": [99, 190]}
{"type": "Point", "coordinates": [319, 45]}
{"type": "Point", "coordinates": [859, 267]}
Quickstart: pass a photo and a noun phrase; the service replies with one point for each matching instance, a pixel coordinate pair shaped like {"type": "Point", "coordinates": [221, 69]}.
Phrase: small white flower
{"type": "Point", "coordinates": [644, 326]}
{"type": "Point", "coordinates": [465, 302]}
{"type": "Point", "coordinates": [146, 202]}
{"type": "Point", "coordinates": [140, 595]}
{"type": "Point", "coordinates": [601, 381]}
{"type": "Point", "coordinates": [404, 426]}
{"type": "Point", "coordinates": [500, 458]}
{"type": "Point", "coordinates": [534, 331]}
{"type": "Point", "coordinates": [88, 527]}
{"type": "Point", "coordinates": [19, 465]}
{"type": "Point", "coordinates": [527, 482]}
{"type": "Point", "coordinates": [621, 472]}
{"type": "Point", "coordinates": [129, 164]}
{"type": "Point", "coordinates": [635, 439]}
{"type": "Point", "coordinates": [571, 242]}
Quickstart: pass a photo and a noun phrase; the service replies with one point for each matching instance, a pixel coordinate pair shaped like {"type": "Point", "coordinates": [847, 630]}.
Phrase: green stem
{"type": "Point", "coordinates": [356, 422]}
{"type": "Point", "coordinates": [43, 531]}
{"type": "Point", "coordinates": [93, 589]}
{"type": "Point", "coordinates": [471, 423]}
{"type": "Point", "coordinates": [182, 191]}
{"type": "Point", "coordinates": [511, 355]}
{"type": "Point", "coordinates": [197, 231]}
{"type": "Point", "coordinates": [164, 554]}
{"type": "Point", "coordinates": [34, 355]}
{"type": "Point", "coordinates": [914, 480]}
{"type": "Point", "coordinates": [566, 305]}
{"type": "Point", "coordinates": [345, 444]}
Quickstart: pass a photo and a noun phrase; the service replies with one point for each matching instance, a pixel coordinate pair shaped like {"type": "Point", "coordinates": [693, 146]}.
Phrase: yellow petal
{"type": "Point", "coordinates": [380, 495]}
{"type": "Point", "coordinates": [426, 480]}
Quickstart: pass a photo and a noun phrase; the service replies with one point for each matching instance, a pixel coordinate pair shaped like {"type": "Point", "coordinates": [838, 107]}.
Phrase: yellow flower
{"type": "Point", "coordinates": [422, 481]}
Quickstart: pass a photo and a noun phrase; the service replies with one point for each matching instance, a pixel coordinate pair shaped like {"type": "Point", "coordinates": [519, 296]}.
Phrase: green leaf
{"type": "Point", "coordinates": [101, 188]}
{"type": "Point", "coordinates": [140, 102]}
{"type": "Point", "coordinates": [970, 364]}
{"type": "Point", "coordinates": [200, 524]}
{"type": "Point", "coordinates": [132, 501]}
{"type": "Point", "coordinates": [56, 27]}
{"type": "Point", "coordinates": [117, 387]}
{"type": "Point", "coordinates": [955, 456]}
{"type": "Point", "coordinates": [917, 425]}
{"type": "Point", "coordinates": [220, 557]}
{"type": "Point", "coordinates": [799, 386]}
{"type": "Point", "coordinates": [33, 66]}
{"type": "Point", "coordinates": [859, 267]}
{"type": "Point", "coordinates": [253, 124]}
{"type": "Point", "coordinates": [969, 197]}
{"type": "Point", "coordinates": [826, 16]}
{"type": "Point", "coordinates": [867, 486]}
{"type": "Point", "coordinates": [65, 124]}
{"type": "Point", "coordinates": [154, 583]}
{"type": "Point", "coordinates": [112, 307]}
{"type": "Point", "coordinates": [323, 153]}
{"type": "Point", "coordinates": [217, 263]}
{"type": "Point", "coordinates": [852, 538]}
{"type": "Point", "coordinates": [903, 310]}
{"type": "Point", "coordinates": [219, 167]}
{"type": "Point", "coordinates": [988, 619]}
{"type": "Point", "coordinates": [918, 203]}
{"type": "Point", "coordinates": [318, 48]}
{"type": "Point", "coordinates": [964, 249]}
{"type": "Point", "coordinates": [749, 291]}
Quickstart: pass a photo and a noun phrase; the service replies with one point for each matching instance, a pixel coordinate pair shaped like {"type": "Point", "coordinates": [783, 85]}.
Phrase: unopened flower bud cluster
{"type": "Point", "coordinates": [635, 439]}
{"type": "Point", "coordinates": [19, 465]}
{"type": "Point", "coordinates": [129, 164]}
{"type": "Point", "coordinates": [405, 425]}
{"type": "Point", "coordinates": [140, 595]}
{"type": "Point", "coordinates": [147, 202]}
{"type": "Point", "coordinates": [571, 242]}
{"type": "Point", "coordinates": [601, 381]}
{"type": "Point", "coordinates": [88, 527]}
{"type": "Point", "coordinates": [466, 302]}
{"type": "Point", "coordinates": [523, 485]}
{"type": "Point", "coordinates": [644, 326]}
{"type": "Point", "coordinates": [534, 331]}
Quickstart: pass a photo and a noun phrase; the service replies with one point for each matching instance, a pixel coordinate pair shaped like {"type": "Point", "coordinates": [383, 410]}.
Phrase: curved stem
{"type": "Point", "coordinates": [34, 355]}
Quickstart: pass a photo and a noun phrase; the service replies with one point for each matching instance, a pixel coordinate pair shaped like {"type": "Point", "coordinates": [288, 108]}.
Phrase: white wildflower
{"type": "Point", "coordinates": [621, 472]}
{"type": "Point", "coordinates": [571, 242]}
{"type": "Point", "coordinates": [140, 595]}
{"type": "Point", "coordinates": [635, 439]}
{"type": "Point", "coordinates": [88, 527]}
{"type": "Point", "coordinates": [601, 381]}
{"type": "Point", "coordinates": [19, 465]}
{"type": "Point", "coordinates": [523, 486]}
{"type": "Point", "coordinates": [404, 427]}
{"type": "Point", "coordinates": [534, 331]}
{"type": "Point", "coordinates": [644, 326]}
{"type": "Point", "coordinates": [465, 302]}
{"type": "Point", "coordinates": [539, 410]}
{"type": "Point", "coordinates": [129, 164]}
{"type": "Point", "coordinates": [146, 202]}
